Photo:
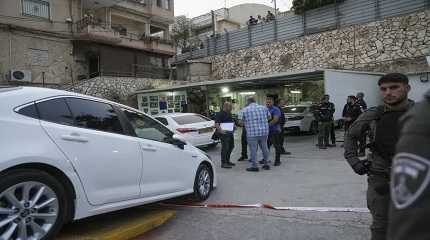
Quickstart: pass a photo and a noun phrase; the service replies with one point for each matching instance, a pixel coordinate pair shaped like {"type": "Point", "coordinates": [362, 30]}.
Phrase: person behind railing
{"type": "Point", "coordinates": [252, 21]}
{"type": "Point", "coordinates": [270, 16]}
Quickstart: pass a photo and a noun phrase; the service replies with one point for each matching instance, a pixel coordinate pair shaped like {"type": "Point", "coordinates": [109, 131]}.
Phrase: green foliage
{"type": "Point", "coordinates": [183, 32]}
{"type": "Point", "coordinates": [301, 6]}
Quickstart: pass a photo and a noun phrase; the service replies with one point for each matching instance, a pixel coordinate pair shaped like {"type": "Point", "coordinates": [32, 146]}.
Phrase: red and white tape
{"type": "Point", "coordinates": [268, 206]}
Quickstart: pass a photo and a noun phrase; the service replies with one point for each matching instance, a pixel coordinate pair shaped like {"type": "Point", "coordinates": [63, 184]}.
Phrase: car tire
{"type": "Point", "coordinates": [48, 211]}
{"type": "Point", "coordinates": [313, 129]}
{"type": "Point", "coordinates": [203, 183]}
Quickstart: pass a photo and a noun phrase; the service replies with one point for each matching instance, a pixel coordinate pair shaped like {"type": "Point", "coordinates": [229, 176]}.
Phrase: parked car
{"type": "Point", "coordinates": [67, 156]}
{"type": "Point", "coordinates": [194, 128]}
{"type": "Point", "coordinates": [300, 118]}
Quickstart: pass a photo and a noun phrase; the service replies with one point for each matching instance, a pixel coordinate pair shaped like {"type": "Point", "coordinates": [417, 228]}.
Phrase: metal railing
{"type": "Point", "coordinates": [37, 8]}
{"type": "Point", "coordinates": [289, 25]}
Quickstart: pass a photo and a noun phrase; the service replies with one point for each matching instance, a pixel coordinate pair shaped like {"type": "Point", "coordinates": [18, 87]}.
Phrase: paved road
{"type": "Point", "coordinates": [308, 178]}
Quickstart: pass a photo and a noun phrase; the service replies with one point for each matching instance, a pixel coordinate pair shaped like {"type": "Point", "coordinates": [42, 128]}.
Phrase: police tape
{"type": "Point", "coordinates": [268, 206]}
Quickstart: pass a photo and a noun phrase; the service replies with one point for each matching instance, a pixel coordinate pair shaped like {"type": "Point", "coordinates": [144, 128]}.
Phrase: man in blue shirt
{"type": "Point", "coordinates": [274, 130]}
{"type": "Point", "coordinates": [255, 119]}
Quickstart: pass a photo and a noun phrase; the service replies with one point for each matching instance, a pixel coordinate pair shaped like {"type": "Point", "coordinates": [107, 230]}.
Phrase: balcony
{"type": "Point", "coordinates": [163, 14]}
{"type": "Point", "coordinates": [91, 29]}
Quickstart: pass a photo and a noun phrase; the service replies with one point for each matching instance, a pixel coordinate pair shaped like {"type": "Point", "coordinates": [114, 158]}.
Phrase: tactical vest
{"type": "Point", "coordinates": [387, 134]}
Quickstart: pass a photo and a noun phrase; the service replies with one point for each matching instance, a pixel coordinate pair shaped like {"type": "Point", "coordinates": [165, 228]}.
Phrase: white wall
{"type": "Point", "coordinates": [418, 88]}
{"type": "Point", "coordinates": [339, 85]}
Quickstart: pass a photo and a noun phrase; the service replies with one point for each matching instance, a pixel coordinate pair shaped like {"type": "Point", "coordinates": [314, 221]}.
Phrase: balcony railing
{"type": "Point", "coordinates": [119, 30]}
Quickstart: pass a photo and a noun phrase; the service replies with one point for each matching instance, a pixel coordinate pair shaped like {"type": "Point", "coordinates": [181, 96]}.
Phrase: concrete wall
{"type": "Point", "coordinates": [394, 44]}
{"type": "Point", "coordinates": [59, 11]}
{"type": "Point", "coordinates": [25, 51]}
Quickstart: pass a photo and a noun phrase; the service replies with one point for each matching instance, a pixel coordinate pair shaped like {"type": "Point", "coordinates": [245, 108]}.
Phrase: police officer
{"type": "Point", "coordinates": [324, 116]}
{"type": "Point", "coordinates": [382, 124]}
{"type": "Point", "coordinates": [410, 183]}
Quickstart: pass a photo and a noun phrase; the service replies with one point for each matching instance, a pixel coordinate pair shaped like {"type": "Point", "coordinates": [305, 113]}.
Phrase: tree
{"type": "Point", "coordinates": [301, 6]}
{"type": "Point", "coordinates": [183, 33]}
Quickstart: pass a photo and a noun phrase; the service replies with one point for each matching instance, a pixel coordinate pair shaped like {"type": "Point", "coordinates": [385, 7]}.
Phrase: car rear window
{"type": "Point", "coordinates": [29, 111]}
{"type": "Point", "coordinates": [55, 110]}
{"type": "Point", "coordinates": [162, 120]}
{"type": "Point", "coordinates": [188, 119]}
{"type": "Point", "coordinates": [294, 109]}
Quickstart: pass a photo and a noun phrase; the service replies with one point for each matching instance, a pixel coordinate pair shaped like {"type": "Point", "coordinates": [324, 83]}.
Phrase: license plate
{"type": "Point", "coordinates": [205, 130]}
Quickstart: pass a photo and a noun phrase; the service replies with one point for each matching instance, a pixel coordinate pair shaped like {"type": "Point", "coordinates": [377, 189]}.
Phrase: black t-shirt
{"type": "Point", "coordinates": [224, 117]}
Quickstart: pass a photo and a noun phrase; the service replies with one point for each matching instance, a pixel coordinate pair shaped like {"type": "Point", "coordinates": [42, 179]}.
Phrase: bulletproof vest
{"type": "Point", "coordinates": [324, 112]}
{"type": "Point", "coordinates": [387, 134]}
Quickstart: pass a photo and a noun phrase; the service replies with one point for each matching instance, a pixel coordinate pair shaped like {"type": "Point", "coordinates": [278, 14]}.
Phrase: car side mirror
{"type": "Point", "coordinates": [178, 141]}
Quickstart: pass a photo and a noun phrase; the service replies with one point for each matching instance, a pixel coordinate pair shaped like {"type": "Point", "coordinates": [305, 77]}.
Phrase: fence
{"type": "Point", "coordinates": [288, 26]}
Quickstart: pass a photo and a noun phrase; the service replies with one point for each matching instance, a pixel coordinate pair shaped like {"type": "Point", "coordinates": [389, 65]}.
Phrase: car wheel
{"type": "Point", "coordinates": [203, 183]}
{"type": "Point", "coordinates": [33, 205]}
{"type": "Point", "coordinates": [313, 129]}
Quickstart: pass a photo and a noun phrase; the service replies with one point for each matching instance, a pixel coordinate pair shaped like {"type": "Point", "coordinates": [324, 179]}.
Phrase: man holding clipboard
{"type": "Point", "coordinates": [225, 127]}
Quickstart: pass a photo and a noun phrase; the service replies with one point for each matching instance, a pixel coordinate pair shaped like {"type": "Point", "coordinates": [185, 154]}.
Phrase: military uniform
{"type": "Point", "coordinates": [410, 185]}
{"type": "Point", "coordinates": [324, 116]}
{"type": "Point", "coordinates": [381, 124]}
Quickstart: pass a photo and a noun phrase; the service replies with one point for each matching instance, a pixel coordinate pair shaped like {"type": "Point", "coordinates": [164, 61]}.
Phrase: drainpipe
{"type": "Point", "coordinates": [10, 48]}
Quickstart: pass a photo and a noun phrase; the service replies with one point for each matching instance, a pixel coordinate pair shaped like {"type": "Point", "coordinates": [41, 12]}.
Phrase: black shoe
{"type": "Point", "coordinates": [277, 164]}
{"type": "Point", "coordinates": [252, 169]}
{"type": "Point", "coordinates": [231, 164]}
{"type": "Point", "coordinates": [286, 153]}
{"type": "Point", "coordinates": [266, 167]}
{"type": "Point", "coordinates": [331, 145]}
{"type": "Point", "coordinates": [322, 147]}
{"type": "Point", "coordinates": [242, 159]}
{"type": "Point", "coordinates": [261, 162]}
{"type": "Point", "coordinates": [225, 165]}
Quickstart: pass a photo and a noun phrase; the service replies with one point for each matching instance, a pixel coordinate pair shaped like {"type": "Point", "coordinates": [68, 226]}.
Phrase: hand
{"type": "Point", "coordinates": [361, 167]}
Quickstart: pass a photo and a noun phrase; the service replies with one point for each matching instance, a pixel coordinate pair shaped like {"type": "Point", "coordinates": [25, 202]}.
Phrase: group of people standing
{"type": "Point", "coordinates": [262, 127]}
{"type": "Point", "coordinates": [254, 21]}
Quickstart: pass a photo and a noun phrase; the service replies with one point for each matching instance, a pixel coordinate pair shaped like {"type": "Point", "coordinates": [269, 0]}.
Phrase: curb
{"type": "Point", "coordinates": [117, 226]}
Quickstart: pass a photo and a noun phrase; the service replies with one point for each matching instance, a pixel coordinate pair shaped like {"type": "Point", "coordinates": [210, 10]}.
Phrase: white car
{"type": "Point", "coordinates": [66, 156]}
{"type": "Point", "coordinates": [195, 128]}
{"type": "Point", "coordinates": [300, 118]}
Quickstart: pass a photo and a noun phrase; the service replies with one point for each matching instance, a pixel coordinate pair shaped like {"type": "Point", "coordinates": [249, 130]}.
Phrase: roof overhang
{"type": "Point", "coordinates": [254, 81]}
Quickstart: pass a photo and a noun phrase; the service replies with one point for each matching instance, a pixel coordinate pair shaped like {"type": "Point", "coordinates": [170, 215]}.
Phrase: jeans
{"type": "Point", "coordinates": [244, 143]}
{"type": "Point", "coordinates": [227, 145]}
{"type": "Point", "coordinates": [275, 139]}
{"type": "Point", "coordinates": [253, 143]}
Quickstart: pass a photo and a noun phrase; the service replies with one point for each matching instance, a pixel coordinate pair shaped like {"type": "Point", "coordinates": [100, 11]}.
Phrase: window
{"type": "Point", "coordinates": [294, 109]}
{"type": "Point", "coordinates": [56, 111]}
{"type": "Point", "coordinates": [36, 8]}
{"type": "Point", "coordinates": [29, 111]}
{"type": "Point", "coordinates": [187, 119]}
{"type": "Point", "coordinates": [94, 115]}
{"type": "Point", "coordinates": [159, 3]}
{"type": "Point", "coordinates": [162, 120]}
{"type": "Point", "coordinates": [147, 128]}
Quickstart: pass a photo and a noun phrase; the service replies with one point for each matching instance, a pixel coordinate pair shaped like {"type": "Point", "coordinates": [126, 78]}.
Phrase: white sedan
{"type": "Point", "coordinates": [300, 118]}
{"type": "Point", "coordinates": [66, 156]}
{"type": "Point", "coordinates": [195, 128]}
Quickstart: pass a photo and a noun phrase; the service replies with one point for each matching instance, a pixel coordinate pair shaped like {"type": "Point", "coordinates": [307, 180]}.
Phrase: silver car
{"type": "Point", "coordinates": [300, 118]}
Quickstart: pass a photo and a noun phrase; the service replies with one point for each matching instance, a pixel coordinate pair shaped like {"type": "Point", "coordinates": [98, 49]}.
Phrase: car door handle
{"type": "Point", "coordinates": [149, 148]}
{"type": "Point", "coordinates": [74, 138]}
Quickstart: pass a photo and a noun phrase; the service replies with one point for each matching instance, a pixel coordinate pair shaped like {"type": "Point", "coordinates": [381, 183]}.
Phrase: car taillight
{"type": "Point", "coordinates": [186, 130]}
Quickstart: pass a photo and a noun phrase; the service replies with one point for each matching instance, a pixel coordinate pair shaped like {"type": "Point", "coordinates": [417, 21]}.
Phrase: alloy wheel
{"type": "Point", "coordinates": [204, 182]}
{"type": "Point", "coordinates": [28, 210]}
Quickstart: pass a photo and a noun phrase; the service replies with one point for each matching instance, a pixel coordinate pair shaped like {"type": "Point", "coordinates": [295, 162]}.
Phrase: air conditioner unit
{"type": "Point", "coordinates": [20, 75]}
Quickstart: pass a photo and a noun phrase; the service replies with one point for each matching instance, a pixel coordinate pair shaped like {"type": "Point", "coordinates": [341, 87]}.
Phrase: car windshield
{"type": "Point", "coordinates": [188, 119]}
{"type": "Point", "coordinates": [294, 109]}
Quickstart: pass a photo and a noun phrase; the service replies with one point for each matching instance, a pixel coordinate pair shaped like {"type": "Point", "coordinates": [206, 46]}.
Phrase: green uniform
{"type": "Point", "coordinates": [381, 125]}
{"type": "Point", "coordinates": [410, 185]}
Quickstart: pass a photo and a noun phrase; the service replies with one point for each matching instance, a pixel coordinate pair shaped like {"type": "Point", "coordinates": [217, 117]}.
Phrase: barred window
{"type": "Point", "coordinates": [36, 8]}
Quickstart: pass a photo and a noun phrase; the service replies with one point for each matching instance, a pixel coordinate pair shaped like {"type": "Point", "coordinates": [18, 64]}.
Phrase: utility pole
{"type": "Point", "coordinates": [276, 11]}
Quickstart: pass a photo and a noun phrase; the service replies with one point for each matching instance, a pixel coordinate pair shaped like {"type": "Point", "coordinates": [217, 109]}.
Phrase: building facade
{"type": "Point", "coordinates": [59, 42]}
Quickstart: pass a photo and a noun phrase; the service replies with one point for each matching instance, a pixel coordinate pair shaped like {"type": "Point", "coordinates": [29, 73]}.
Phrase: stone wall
{"type": "Point", "coordinates": [393, 44]}
{"type": "Point", "coordinates": [118, 89]}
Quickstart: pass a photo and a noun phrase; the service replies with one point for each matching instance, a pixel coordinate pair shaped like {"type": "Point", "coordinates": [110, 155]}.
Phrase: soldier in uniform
{"type": "Point", "coordinates": [324, 116]}
{"type": "Point", "coordinates": [382, 124]}
{"type": "Point", "coordinates": [410, 184]}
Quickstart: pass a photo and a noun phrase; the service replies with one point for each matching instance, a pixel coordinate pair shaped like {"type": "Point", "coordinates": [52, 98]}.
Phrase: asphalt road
{"type": "Point", "coordinates": [308, 178]}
